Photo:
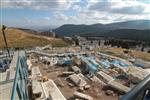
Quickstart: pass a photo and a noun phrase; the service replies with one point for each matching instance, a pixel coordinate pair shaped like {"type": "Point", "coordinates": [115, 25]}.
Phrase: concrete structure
{"type": "Point", "coordinates": [137, 73]}
{"type": "Point", "coordinates": [83, 96]}
{"type": "Point", "coordinates": [118, 86]}
{"type": "Point", "coordinates": [142, 63]}
{"type": "Point", "coordinates": [76, 69]}
{"type": "Point", "coordinates": [104, 77]}
{"type": "Point", "coordinates": [13, 85]}
{"type": "Point", "coordinates": [51, 91]}
{"type": "Point", "coordinates": [37, 89]}
{"type": "Point", "coordinates": [36, 72]}
{"type": "Point", "coordinates": [77, 80]}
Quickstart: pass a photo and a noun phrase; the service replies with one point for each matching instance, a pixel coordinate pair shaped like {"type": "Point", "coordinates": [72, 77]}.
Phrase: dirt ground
{"type": "Point", "coordinates": [96, 90]}
{"type": "Point", "coordinates": [131, 53]}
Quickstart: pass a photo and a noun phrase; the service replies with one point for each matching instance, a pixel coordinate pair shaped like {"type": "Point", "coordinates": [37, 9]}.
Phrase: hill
{"type": "Point", "coordinates": [20, 38]}
{"type": "Point", "coordinates": [127, 34]}
{"type": "Point", "coordinates": [140, 27]}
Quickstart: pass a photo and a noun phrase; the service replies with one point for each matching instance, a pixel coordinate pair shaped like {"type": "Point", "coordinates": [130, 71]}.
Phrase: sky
{"type": "Point", "coordinates": [54, 13]}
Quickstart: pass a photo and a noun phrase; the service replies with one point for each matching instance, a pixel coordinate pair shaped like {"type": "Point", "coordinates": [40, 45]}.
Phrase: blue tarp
{"type": "Point", "coordinates": [91, 64]}
{"type": "Point", "coordinates": [92, 60]}
{"type": "Point", "coordinates": [67, 61]}
{"type": "Point", "coordinates": [117, 62]}
{"type": "Point", "coordinates": [139, 65]}
{"type": "Point", "coordinates": [3, 64]}
{"type": "Point", "coordinates": [106, 63]}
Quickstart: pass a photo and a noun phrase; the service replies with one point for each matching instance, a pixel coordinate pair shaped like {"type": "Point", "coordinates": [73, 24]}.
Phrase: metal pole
{"type": "Point", "coordinates": [138, 92]}
{"type": "Point", "coordinates": [6, 45]}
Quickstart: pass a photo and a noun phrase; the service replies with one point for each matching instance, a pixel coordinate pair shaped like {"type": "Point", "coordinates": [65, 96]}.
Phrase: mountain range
{"type": "Point", "coordinates": [139, 29]}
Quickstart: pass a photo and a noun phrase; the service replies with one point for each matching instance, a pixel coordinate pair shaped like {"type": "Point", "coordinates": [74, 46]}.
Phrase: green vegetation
{"type": "Point", "coordinates": [137, 30]}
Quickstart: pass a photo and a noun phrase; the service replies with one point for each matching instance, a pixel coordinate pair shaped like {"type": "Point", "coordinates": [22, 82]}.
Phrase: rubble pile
{"type": "Point", "coordinates": [72, 77]}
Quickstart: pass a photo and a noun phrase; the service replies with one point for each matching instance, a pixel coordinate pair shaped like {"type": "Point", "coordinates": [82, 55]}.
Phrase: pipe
{"type": "Point", "coordinates": [138, 92]}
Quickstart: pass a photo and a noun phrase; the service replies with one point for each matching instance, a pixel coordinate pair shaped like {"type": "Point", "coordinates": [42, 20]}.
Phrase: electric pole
{"type": "Point", "coordinates": [5, 40]}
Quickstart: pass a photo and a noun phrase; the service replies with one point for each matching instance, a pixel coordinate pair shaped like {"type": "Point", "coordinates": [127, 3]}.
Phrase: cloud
{"type": "Point", "coordinates": [120, 7]}
{"type": "Point", "coordinates": [86, 11]}
{"type": "Point", "coordinates": [129, 10]}
{"type": "Point", "coordinates": [47, 18]}
{"type": "Point", "coordinates": [100, 6]}
{"type": "Point", "coordinates": [38, 4]}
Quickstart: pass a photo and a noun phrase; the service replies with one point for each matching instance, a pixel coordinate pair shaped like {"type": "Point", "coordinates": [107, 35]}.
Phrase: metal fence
{"type": "Point", "coordinates": [140, 91]}
{"type": "Point", "coordinates": [21, 78]}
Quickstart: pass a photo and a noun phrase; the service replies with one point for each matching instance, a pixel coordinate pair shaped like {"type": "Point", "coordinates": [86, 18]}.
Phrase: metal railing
{"type": "Point", "coordinates": [140, 91]}
{"type": "Point", "coordinates": [20, 81]}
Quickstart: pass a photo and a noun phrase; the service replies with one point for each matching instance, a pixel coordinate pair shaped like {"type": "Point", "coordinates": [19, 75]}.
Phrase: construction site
{"type": "Point", "coordinates": [72, 73]}
{"type": "Point", "coordinates": [76, 75]}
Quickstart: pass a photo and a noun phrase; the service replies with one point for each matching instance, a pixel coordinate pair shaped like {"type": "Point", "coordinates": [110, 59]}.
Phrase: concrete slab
{"type": "Point", "coordinates": [104, 77]}
{"type": "Point", "coordinates": [14, 61]}
{"type": "Point", "coordinates": [37, 88]}
{"type": "Point", "coordinates": [138, 72]}
{"type": "Point", "coordinates": [36, 72]}
{"type": "Point", "coordinates": [12, 74]}
{"type": "Point", "coordinates": [118, 86]}
{"type": "Point", "coordinates": [83, 96]}
{"type": "Point", "coordinates": [96, 79]}
{"type": "Point", "coordinates": [6, 90]}
{"type": "Point", "coordinates": [77, 80]}
{"type": "Point", "coordinates": [76, 69]}
{"type": "Point", "coordinates": [51, 91]}
{"type": "Point", "coordinates": [29, 64]}
{"type": "Point", "coordinates": [3, 76]}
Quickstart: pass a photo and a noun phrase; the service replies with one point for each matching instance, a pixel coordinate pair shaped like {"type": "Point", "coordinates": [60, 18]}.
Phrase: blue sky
{"type": "Point", "coordinates": [54, 13]}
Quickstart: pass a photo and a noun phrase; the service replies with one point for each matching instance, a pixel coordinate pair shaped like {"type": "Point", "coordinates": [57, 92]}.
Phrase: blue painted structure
{"type": "Point", "coordinates": [67, 61]}
{"type": "Point", "coordinates": [91, 64]}
{"type": "Point", "coordinates": [105, 63]}
{"type": "Point", "coordinates": [21, 78]}
{"type": "Point", "coordinates": [117, 62]}
{"type": "Point", "coordinates": [139, 65]}
{"type": "Point", "coordinates": [4, 65]}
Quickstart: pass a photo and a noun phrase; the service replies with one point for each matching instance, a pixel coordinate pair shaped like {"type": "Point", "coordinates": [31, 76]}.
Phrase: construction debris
{"type": "Point", "coordinates": [81, 89]}
{"type": "Point", "coordinates": [76, 69]}
{"type": "Point", "coordinates": [36, 72]}
{"type": "Point", "coordinates": [110, 92]}
{"type": "Point", "coordinates": [51, 91]}
{"type": "Point", "coordinates": [86, 87]}
{"type": "Point", "coordinates": [137, 73]}
{"type": "Point", "coordinates": [59, 82]}
{"type": "Point", "coordinates": [67, 73]}
{"type": "Point", "coordinates": [45, 78]}
{"type": "Point", "coordinates": [116, 85]}
{"type": "Point", "coordinates": [104, 77]}
{"type": "Point", "coordinates": [82, 96]}
{"type": "Point", "coordinates": [78, 81]}
{"type": "Point", "coordinates": [88, 74]}
{"type": "Point", "coordinates": [97, 80]}
{"type": "Point", "coordinates": [37, 89]}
